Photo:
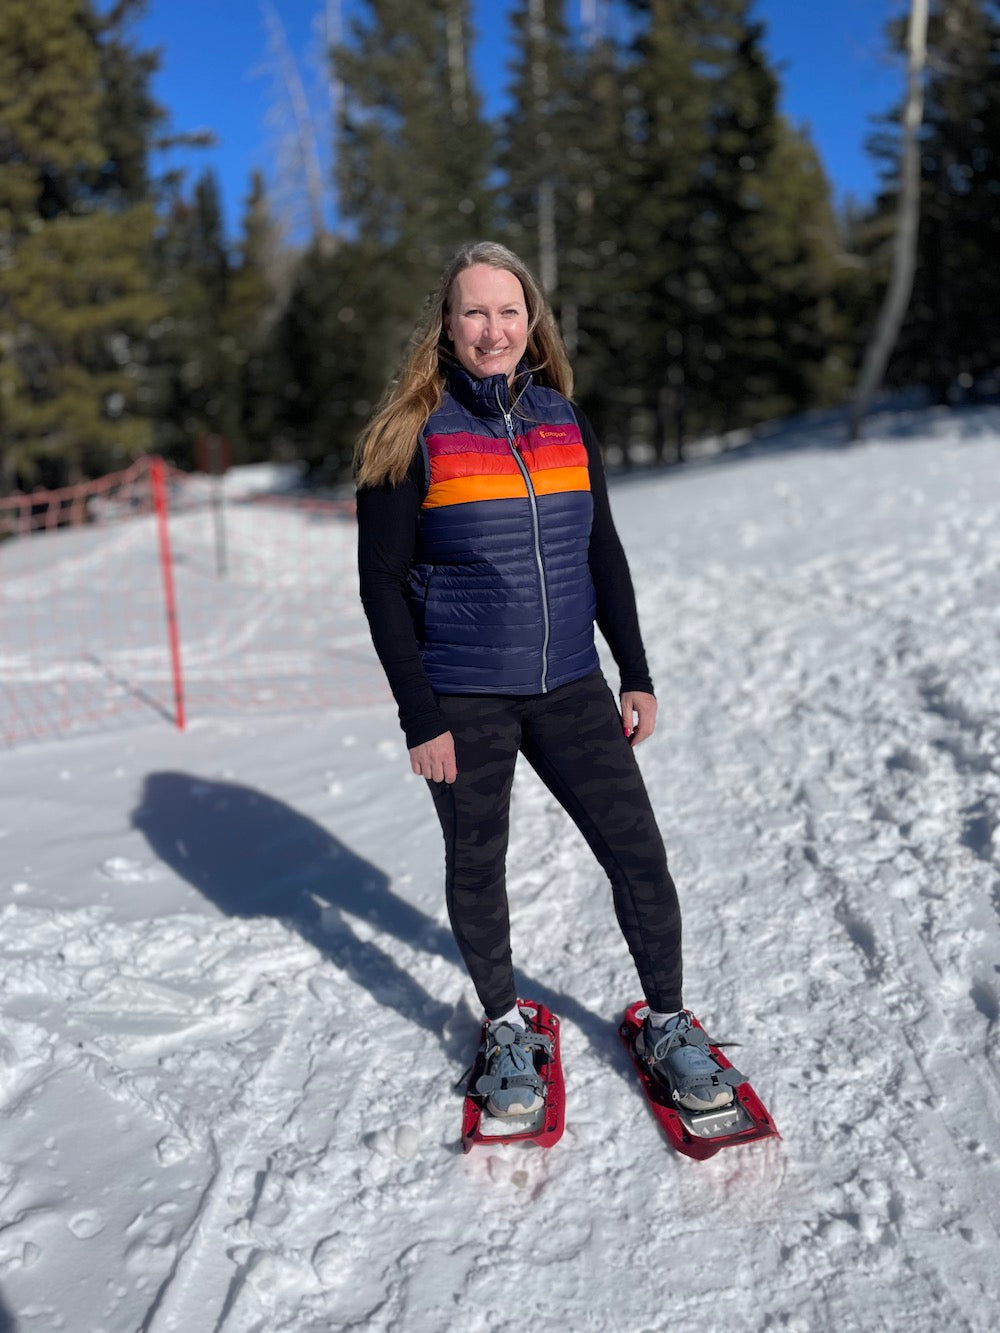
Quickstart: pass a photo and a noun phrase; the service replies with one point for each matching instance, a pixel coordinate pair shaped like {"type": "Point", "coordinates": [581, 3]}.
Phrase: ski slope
{"type": "Point", "coordinates": [233, 1013]}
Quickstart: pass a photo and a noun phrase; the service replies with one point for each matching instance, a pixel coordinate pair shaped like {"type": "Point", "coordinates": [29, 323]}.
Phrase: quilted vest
{"type": "Point", "coordinates": [501, 594]}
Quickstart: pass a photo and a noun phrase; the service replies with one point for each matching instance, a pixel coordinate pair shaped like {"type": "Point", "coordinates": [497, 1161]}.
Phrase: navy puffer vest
{"type": "Point", "coordinates": [502, 598]}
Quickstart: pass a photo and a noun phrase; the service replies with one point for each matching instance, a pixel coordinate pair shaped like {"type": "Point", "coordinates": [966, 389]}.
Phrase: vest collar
{"type": "Point", "coordinates": [490, 396]}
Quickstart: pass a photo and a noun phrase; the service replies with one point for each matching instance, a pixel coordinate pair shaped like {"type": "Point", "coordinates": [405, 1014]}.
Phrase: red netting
{"type": "Point", "coordinates": [268, 615]}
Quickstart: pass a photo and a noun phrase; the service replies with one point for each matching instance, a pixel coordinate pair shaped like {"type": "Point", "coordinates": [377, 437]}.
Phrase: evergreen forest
{"type": "Point", "coordinates": [683, 228]}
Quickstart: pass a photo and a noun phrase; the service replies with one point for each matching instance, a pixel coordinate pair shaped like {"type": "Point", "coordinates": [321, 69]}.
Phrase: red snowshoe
{"type": "Point", "coordinates": [543, 1126]}
{"type": "Point", "coordinates": [698, 1134]}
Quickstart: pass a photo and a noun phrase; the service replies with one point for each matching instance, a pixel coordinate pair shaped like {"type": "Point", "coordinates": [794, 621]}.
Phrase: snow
{"type": "Point", "coordinates": [233, 1013]}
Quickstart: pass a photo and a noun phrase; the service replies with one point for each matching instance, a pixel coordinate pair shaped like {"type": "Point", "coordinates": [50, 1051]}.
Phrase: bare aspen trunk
{"type": "Point", "coordinates": [305, 127]}
{"type": "Point", "coordinates": [457, 88]}
{"type": "Point", "coordinates": [334, 35]}
{"type": "Point", "coordinates": [548, 274]}
{"type": "Point", "coordinates": [569, 323]}
{"type": "Point", "coordinates": [904, 258]}
{"type": "Point", "coordinates": [548, 271]}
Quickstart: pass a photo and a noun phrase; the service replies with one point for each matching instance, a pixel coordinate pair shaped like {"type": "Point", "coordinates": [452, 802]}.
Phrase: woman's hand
{"type": "Point", "coordinates": [638, 715]}
{"type": "Point", "coordinates": [435, 760]}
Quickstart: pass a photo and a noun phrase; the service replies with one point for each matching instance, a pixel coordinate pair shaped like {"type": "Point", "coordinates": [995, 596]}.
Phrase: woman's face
{"type": "Point", "coordinates": [487, 320]}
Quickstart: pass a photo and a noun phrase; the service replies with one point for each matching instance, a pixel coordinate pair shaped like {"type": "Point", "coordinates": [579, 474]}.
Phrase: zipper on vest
{"type": "Point", "coordinates": [508, 421]}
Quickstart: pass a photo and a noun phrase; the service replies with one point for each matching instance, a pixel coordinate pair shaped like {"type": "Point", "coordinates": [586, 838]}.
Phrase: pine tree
{"type": "Point", "coordinates": [800, 249]}
{"type": "Point", "coordinates": [562, 197]}
{"type": "Point", "coordinates": [736, 322]}
{"type": "Point", "coordinates": [772, 236]}
{"type": "Point", "coordinates": [951, 334]}
{"type": "Point", "coordinates": [326, 354]}
{"type": "Point", "coordinates": [75, 283]}
{"type": "Point", "coordinates": [414, 154]}
{"type": "Point", "coordinates": [719, 267]}
{"type": "Point", "coordinates": [129, 120]}
{"type": "Point", "coordinates": [600, 301]}
{"type": "Point", "coordinates": [896, 300]}
{"type": "Point", "coordinates": [668, 121]}
{"type": "Point", "coordinates": [198, 352]}
{"type": "Point", "coordinates": [255, 286]}
{"type": "Point", "coordinates": [50, 100]}
{"type": "Point", "coordinates": [413, 165]}
{"type": "Point", "coordinates": [79, 293]}
{"type": "Point", "coordinates": [537, 137]}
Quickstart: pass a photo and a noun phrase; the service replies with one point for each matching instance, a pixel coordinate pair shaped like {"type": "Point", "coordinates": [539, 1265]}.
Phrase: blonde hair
{"type": "Point", "coordinates": [386, 446]}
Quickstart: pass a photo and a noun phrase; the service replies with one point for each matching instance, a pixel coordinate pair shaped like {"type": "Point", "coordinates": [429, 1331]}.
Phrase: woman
{"type": "Point", "coordinates": [486, 551]}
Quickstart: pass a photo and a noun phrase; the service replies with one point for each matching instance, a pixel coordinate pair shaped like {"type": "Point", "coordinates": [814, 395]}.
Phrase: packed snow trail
{"type": "Point", "coordinates": [233, 1012]}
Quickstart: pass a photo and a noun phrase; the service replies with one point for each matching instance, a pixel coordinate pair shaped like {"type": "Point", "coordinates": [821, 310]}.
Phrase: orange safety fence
{"type": "Point", "coordinates": [226, 599]}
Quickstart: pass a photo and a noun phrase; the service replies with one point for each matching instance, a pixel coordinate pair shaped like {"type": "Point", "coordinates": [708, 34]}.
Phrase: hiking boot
{"type": "Point", "coordinates": [511, 1083]}
{"type": "Point", "coordinates": [678, 1055]}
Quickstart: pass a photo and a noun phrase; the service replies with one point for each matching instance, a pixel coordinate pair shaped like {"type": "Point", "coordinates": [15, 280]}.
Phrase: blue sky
{"type": "Point", "coordinates": [217, 73]}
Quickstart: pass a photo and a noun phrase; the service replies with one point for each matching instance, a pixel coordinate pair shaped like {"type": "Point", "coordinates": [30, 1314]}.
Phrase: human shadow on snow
{"type": "Point", "coordinates": [252, 855]}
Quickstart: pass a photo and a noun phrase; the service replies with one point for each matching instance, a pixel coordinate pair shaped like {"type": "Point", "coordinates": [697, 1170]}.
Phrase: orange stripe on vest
{"type": "Point", "coordinates": [557, 479]}
{"type": "Point", "coordinates": [463, 490]}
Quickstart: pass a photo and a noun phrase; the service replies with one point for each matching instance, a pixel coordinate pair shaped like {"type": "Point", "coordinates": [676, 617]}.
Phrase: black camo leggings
{"type": "Point", "coordinates": [573, 739]}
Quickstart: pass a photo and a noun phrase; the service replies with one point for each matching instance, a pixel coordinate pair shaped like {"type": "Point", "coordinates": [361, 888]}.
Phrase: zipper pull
{"type": "Point", "coordinates": [508, 417]}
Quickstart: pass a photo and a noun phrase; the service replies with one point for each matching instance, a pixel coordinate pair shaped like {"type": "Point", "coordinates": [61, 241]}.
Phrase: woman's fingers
{"type": "Point", "coordinates": [435, 759]}
{"type": "Point", "coordinates": [638, 715]}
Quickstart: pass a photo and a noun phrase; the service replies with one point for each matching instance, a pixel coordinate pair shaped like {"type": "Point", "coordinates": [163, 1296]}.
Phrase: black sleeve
{"type": "Point", "coordinates": [617, 616]}
{"type": "Point", "coordinates": [387, 541]}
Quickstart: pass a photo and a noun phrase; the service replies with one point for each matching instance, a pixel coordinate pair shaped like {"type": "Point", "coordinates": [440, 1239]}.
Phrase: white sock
{"type": "Point", "coordinates": [512, 1016]}
{"type": "Point", "coordinates": [658, 1020]}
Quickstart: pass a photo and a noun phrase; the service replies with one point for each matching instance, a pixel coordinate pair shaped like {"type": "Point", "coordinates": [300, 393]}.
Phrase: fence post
{"type": "Point", "coordinates": [157, 475]}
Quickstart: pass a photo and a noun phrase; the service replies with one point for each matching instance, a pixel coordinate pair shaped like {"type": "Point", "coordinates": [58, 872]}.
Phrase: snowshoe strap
{"type": "Point", "coordinates": [490, 1083]}
{"type": "Point", "coordinates": [505, 1034]}
{"type": "Point", "coordinates": [730, 1077]}
{"type": "Point", "coordinates": [511, 1048]}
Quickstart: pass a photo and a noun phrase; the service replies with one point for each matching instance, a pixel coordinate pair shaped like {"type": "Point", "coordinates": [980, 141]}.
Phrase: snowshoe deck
{"type": "Point", "coordinates": [544, 1126]}
{"type": "Point", "coordinates": [698, 1134]}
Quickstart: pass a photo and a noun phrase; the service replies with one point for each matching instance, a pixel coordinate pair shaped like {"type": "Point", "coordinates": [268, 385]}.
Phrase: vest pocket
{"type": "Point", "coordinates": [420, 586]}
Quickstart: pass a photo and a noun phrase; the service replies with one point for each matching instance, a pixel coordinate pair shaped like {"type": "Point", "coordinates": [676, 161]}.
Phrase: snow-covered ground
{"type": "Point", "coordinates": [233, 1014]}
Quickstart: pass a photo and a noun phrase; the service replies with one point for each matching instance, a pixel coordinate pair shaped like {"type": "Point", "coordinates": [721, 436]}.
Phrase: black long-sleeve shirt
{"type": "Point", "coordinates": [387, 548]}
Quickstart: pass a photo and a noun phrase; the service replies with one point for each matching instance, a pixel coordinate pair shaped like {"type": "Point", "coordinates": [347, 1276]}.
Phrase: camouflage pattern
{"type": "Point", "coordinates": [573, 739]}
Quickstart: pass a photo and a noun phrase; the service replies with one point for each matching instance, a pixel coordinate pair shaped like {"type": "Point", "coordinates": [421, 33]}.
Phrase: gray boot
{"type": "Point", "coordinates": [678, 1055]}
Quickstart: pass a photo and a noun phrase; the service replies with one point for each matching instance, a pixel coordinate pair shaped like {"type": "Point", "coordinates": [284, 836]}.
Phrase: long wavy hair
{"type": "Point", "coordinates": [387, 444]}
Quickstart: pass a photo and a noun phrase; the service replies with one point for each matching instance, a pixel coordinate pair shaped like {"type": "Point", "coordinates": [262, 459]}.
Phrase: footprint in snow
{"type": "Point", "coordinates": [86, 1224]}
{"type": "Point", "coordinates": [503, 1172]}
